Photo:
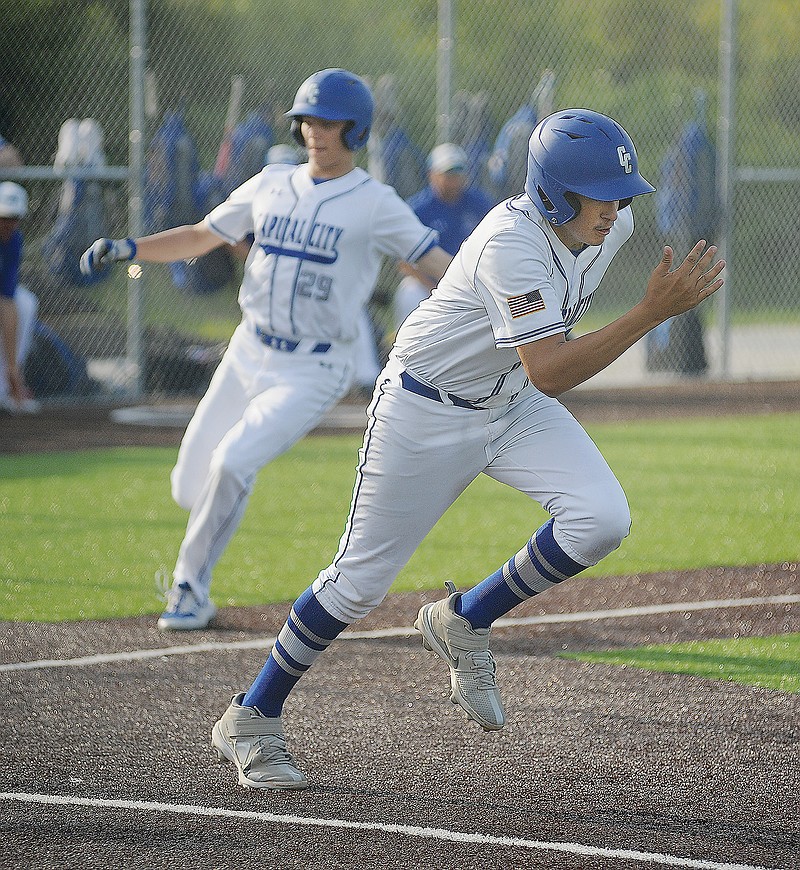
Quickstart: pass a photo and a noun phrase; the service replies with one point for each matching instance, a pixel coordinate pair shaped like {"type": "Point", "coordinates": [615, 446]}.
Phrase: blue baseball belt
{"type": "Point", "coordinates": [289, 345]}
{"type": "Point", "coordinates": [410, 383]}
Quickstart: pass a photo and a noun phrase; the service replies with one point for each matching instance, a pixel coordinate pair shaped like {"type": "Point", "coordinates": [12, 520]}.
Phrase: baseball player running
{"type": "Point", "coordinates": [321, 230]}
{"type": "Point", "coordinates": [470, 387]}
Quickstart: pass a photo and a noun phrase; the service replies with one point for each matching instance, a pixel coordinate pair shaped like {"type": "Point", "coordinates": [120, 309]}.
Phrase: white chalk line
{"type": "Point", "coordinates": [404, 830]}
{"type": "Point", "coordinates": [404, 631]}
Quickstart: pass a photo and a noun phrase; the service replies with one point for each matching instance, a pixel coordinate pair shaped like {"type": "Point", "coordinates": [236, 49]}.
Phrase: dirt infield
{"type": "Point", "coordinates": [107, 760]}
{"type": "Point", "coordinates": [598, 766]}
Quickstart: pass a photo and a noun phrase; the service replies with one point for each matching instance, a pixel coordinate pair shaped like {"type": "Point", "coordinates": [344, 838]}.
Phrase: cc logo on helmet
{"type": "Point", "coordinates": [624, 158]}
{"type": "Point", "coordinates": [310, 93]}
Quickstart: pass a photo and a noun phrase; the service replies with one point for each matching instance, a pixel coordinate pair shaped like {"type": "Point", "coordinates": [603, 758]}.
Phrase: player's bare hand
{"type": "Point", "coordinates": [673, 291]}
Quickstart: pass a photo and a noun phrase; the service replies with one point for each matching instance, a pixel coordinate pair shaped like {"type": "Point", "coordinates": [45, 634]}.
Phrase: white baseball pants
{"type": "Point", "coordinates": [260, 402]}
{"type": "Point", "coordinates": [419, 455]}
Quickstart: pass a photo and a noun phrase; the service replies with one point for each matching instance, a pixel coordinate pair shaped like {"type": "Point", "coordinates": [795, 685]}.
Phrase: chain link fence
{"type": "Point", "coordinates": [118, 111]}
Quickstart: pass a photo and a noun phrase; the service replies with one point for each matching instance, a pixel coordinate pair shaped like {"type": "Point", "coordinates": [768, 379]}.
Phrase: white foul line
{"type": "Point", "coordinates": [405, 830]}
{"type": "Point", "coordinates": [405, 631]}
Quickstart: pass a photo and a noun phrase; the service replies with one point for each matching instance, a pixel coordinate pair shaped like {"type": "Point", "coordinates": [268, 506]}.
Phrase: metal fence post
{"type": "Point", "coordinates": [444, 70]}
{"type": "Point", "coordinates": [725, 172]}
{"type": "Point", "coordinates": [137, 64]}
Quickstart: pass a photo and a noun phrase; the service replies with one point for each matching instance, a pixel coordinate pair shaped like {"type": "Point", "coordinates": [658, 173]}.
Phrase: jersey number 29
{"type": "Point", "coordinates": [314, 286]}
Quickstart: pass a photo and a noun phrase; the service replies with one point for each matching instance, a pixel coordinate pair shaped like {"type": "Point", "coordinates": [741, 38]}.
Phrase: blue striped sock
{"type": "Point", "coordinates": [540, 564]}
{"type": "Point", "coordinates": [308, 631]}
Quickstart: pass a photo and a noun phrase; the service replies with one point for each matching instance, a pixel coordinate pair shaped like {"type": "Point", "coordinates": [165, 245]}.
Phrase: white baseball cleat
{"type": "Point", "coordinates": [256, 745]}
{"type": "Point", "coordinates": [186, 610]}
{"type": "Point", "coordinates": [466, 650]}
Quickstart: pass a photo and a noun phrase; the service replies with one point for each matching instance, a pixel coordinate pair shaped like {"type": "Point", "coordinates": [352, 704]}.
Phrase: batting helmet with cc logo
{"type": "Point", "coordinates": [335, 95]}
{"type": "Point", "coordinates": [581, 151]}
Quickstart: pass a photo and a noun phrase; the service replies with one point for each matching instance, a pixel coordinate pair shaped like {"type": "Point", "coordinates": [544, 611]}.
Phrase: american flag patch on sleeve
{"type": "Point", "coordinates": [526, 303]}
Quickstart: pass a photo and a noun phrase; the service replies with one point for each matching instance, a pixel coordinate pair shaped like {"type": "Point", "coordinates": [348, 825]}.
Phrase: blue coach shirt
{"type": "Point", "coordinates": [453, 221]}
{"type": "Point", "coordinates": [10, 258]}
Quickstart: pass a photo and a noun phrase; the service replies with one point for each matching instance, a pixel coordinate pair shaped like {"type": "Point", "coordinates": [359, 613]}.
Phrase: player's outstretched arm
{"type": "Point", "coordinates": [555, 365]}
{"type": "Point", "coordinates": [179, 243]}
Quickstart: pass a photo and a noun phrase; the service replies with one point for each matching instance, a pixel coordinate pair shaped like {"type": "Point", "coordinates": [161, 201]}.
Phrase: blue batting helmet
{"type": "Point", "coordinates": [335, 95]}
{"type": "Point", "coordinates": [580, 151]}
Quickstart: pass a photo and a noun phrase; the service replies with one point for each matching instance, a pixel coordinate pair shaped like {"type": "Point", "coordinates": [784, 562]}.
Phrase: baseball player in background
{"type": "Point", "coordinates": [18, 305]}
{"type": "Point", "coordinates": [450, 206]}
{"type": "Point", "coordinates": [471, 387]}
{"type": "Point", "coordinates": [321, 230]}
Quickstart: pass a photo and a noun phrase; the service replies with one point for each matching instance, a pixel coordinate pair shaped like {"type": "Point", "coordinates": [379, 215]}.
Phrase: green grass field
{"type": "Point", "coordinates": [768, 662]}
{"type": "Point", "coordinates": [85, 532]}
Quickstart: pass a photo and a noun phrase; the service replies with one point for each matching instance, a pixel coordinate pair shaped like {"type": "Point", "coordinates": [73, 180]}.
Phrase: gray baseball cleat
{"type": "Point", "coordinates": [466, 651]}
{"type": "Point", "coordinates": [186, 610]}
{"type": "Point", "coordinates": [256, 745]}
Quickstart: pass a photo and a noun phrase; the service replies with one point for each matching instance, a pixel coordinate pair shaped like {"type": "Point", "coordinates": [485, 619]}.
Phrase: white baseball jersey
{"type": "Point", "coordinates": [318, 247]}
{"type": "Point", "coordinates": [513, 281]}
